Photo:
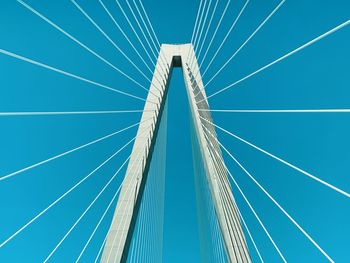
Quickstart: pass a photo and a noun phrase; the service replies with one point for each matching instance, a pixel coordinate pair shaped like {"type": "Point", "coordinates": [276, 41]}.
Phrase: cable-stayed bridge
{"type": "Point", "coordinates": [136, 205]}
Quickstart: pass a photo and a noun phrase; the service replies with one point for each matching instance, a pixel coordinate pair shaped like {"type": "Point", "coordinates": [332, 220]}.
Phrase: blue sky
{"type": "Point", "coordinates": [316, 77]}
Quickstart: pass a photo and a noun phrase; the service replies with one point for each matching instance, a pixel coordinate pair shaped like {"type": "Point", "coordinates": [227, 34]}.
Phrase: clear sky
{"type": "Point", "coordinates": [315, 78]}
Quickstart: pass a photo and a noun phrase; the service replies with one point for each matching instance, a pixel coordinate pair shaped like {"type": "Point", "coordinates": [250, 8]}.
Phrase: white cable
{"type": "Point", "coordinates": [4, 177]}
{"type": "Point", "coordinates": [48, 113]}
{"type": "Point", "coordinates": [213, 37]}
{"type": "Point", "coordinates": [79, 43]}
{"type": "Point", "coordinates": [245, 42]}
{"type": "Point", "coordinates": [113, 43]}
{"type": "Point", "coordinates": [124, 221]}
{"type": "Point", "coordinates": [233, 25]}
{"type": "Point", "coordinates": [138, 37]}
{"type": "Point", "coordinates": [282, 58]}
{"type": "Point", "coordinates": [195, 26]}
{"type": "Point", "coordinates": [85, 211]}
{"type": "Point", "coordinates": [276, 203]}
{"type": "Point", "coordinates": [161, 54]}
{"type": "Point", "coordinates": [66, 73]}
{"type": "Point", "coordinates": [130, 42]}
{"type": "Point", "coordinates": [196, 33]}
{"type": "Point", "coordinates": [105, 239]}
{"type": "Point", "coordinates": [346, 194]}
{"type": "Point", "coordinates": [253, 210]}
{"type": "Point", "coordinates": [207, 30]}
{"type": "Point", "coordinates": [143, 34]}
{"type": "Point", "coordinates": [282, 111]}
{"type": "Point", "coordinates": [160, 59]}
{"type": "Point", "coordinates": [201, 31]}
{"type": "Point", "coordinates": [98, 224]}
{"type": "Point", "coordinates": [63, 195]}
{"type": "Point", "coordinates": [125, 35]}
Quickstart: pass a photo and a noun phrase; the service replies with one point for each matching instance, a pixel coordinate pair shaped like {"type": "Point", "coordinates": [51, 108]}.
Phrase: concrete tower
{"type": "Point", "coordinates": [120, 233]}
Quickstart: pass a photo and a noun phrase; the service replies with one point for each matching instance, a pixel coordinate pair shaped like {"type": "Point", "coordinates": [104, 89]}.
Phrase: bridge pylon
{"type": "Point", "coordinates": [123, 224]}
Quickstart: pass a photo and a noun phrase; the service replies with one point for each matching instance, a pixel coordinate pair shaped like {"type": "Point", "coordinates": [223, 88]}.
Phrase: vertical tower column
{"type": "Point", "coordinates": [120, 233]}
{"type": "Point", "coordinates": [219, 185]}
